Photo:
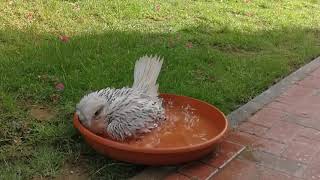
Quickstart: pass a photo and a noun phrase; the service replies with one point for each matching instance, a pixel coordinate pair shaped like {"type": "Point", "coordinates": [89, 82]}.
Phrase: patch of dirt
{"type": "Point", "coordinates": [41, 113]}
{"type": "Point", "coordinates": [234, 49]}
{"type": "Point", "coordinates": [71, 172]}
{"type": "Point", "coordinates": [68, 172]}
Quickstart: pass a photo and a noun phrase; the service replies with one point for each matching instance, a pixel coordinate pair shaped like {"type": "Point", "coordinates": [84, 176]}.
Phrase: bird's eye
{"type": "Point", "coordinates": [98, 112]}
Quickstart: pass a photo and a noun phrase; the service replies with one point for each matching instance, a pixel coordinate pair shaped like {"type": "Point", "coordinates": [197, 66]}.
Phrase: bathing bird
{"type": "Point", "coordinates": [129, 111]}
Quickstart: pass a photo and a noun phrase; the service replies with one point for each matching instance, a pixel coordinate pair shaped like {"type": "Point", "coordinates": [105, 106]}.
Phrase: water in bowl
{"type": "Point", "coordinates": [183, 127]}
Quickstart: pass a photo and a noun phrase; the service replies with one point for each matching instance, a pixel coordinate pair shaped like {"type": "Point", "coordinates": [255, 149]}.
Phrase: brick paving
{"type": "Point", "coordinates": [281, 141]}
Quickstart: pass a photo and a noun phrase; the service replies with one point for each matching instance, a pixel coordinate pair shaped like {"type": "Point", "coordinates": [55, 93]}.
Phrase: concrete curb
{"type": "Point", "coordinates": [243, 113]}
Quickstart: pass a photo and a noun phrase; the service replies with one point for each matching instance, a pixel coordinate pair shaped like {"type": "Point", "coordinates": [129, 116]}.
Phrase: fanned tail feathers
{"type": "Point", "coordinates": [146, 72]}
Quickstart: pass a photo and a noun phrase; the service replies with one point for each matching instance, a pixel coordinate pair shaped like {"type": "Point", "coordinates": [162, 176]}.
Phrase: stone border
{"type": "Point", "coordinates": [243, 113]}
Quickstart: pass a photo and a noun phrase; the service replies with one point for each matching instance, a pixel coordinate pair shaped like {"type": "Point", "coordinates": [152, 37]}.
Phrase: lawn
{"type": "Point", "coordinates": [223, 52]}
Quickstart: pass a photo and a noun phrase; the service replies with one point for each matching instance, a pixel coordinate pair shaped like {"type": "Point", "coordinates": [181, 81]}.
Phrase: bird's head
{"type": "Point", "coordinates": [92, 112]}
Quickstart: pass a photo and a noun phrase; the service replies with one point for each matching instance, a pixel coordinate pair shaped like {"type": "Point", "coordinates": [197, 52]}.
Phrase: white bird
{"type": "Point", "coordinates": [127, 112]}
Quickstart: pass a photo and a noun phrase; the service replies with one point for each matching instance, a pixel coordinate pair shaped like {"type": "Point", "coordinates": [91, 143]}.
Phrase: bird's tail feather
{"type": "Point", "coordinates": [146, 73]}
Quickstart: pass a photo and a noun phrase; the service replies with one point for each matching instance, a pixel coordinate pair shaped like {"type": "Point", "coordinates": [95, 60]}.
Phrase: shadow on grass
{"type": "Point", "coordinates": [223, 67]}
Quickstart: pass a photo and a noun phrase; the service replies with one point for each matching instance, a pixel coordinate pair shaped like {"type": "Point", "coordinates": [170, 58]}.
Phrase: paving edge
{"type": "Point", "coordinates": [225, 163]}
{"type": "Point", "coordinates": [243, 113]}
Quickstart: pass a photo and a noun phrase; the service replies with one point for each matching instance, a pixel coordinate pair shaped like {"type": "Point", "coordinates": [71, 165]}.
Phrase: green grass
{"type": "Point", "coordinates": [238, 49]}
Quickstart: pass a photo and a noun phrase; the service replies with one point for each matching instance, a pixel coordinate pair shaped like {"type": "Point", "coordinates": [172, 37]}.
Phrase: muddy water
{"type": "Point", "coordinates": [183, 127]}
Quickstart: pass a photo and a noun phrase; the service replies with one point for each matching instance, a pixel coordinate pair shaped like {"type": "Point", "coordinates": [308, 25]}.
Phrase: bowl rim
{"type": "Point", "coordinates": [125, 147]}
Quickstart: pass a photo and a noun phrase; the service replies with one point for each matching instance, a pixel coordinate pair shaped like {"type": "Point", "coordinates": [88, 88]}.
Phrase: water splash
{"type": "Point", "coordinates": [183, 127]}
{"type": "Point", "coordinates": [190, 118]}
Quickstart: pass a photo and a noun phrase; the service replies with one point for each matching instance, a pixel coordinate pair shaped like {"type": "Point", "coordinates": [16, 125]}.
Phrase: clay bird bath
{"type": "Point", "coordinates": [181, 145]}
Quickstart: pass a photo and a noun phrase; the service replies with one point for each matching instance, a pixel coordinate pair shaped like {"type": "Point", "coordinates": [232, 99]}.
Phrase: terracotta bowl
{"type": "Point", "coordinates": [160, 156]}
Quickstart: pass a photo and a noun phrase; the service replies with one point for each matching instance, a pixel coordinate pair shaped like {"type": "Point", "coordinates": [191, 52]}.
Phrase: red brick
{"type": "Point", "coordinates": [270, 174]}
{"type": "Point", "coordinates": [306, 107]}
{"type": "Point", "coordinates": [267, 117]}
{"type": "Point", "coordinates": [283, 131]}
{"type": "Point", "coordinates": [269, 146]}
{"type": "Point", "coordinates": [282, 106]}
{"type": "Point", "coordinates": [224, 154]}
{"type": "Point", "coordinates": [302, 150]}
{"type": "Point", "coordinates": [176, 176]}
{"type": "Point", "coordinates": [310, 134]}
{"type": "Point", "coordinates": [252, 128]}
{"type": "Point", "coordinates": [316, 73]}
{"type": "Point", "coordinates": [312, 172]}
{"type": "Point", "coordinates": [197, 170]}
{"type": "Point", "coordinates": [310, 101]}
{"type": "Point", "coordinates": [238, 170]}
{"type": "Point", "coordinates": [309, 110]}
{"type": "Point", "coordinates": [295, 95]}
{"type": "Point", "coordinates": [289, 102]}
{"type": "Point", "coordinates": [242, 138]}
{"type": "Point", "coordinates": [316, 159]}
{"type": "Point", "coordinates": [298, 91]}
{"type": "Point", "coordinates": [313, 169]}
{"type": "Point", "coordinates": [311, 82]}
{"type": "Point", "coordinates": [304, 121]}
{"type": "Point", "coordinates": [305, 140]}
{"type": "Point", "coordinates": [275, 162]}
{"type": "Point", "coordinates": [316, 92]}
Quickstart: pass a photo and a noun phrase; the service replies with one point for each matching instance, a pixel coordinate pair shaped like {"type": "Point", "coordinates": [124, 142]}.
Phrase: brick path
{"type": "Point", "coordinates": [281, 141]}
